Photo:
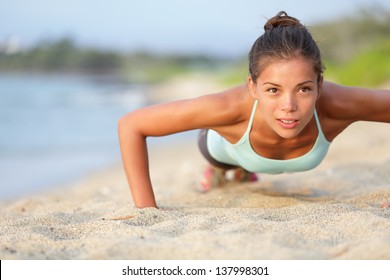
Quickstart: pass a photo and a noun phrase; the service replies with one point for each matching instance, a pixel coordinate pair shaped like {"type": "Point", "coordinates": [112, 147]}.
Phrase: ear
{"type": "Point", "coordinates": [252, 87]}
{"type": "Point", "coordinates": [320, 83]}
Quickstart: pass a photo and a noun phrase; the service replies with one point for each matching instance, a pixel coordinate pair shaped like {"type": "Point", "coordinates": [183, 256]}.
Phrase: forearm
{"type": "Point", "coordinates": [135, 162]}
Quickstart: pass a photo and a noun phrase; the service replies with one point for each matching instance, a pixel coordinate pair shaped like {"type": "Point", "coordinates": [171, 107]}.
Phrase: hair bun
{"type": "Point", "coordinates": [281, 20]}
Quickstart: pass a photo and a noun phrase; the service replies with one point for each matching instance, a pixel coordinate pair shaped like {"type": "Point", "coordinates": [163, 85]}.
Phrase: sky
{"type": "Point", "coordinates": [218, 27]}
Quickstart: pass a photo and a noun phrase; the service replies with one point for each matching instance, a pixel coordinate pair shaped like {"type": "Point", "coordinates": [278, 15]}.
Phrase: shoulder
{"type": "Point", "coordinates": [340, 106]}
{"type": "Point", "coordinates": [354, 103]}
{"type": "Point", "coordinates": [333, 100]}
{"type": "Point", "coordinates": [223, 108]}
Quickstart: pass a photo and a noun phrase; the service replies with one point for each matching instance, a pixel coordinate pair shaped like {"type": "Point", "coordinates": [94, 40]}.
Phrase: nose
{"type": "Point", "coordinates": [288, 103]}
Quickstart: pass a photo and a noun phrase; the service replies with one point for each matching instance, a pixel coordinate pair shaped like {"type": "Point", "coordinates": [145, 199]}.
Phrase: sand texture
{"type": "Point", "coordinates": [332, 212]}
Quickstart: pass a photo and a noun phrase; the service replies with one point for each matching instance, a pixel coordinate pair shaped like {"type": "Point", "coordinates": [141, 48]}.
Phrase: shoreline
{"type": "Point", "coordinates": [54, 183]}
{"type": "Point", "coordinates": [58, 127]}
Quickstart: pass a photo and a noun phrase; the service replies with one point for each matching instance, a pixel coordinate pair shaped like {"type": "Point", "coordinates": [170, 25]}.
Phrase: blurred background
{"type": "Point", "coordinates": [70, 69]}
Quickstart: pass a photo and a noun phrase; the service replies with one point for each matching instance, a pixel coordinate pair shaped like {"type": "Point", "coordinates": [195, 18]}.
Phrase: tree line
{"type": "Point", "coordinates": [355, 48]}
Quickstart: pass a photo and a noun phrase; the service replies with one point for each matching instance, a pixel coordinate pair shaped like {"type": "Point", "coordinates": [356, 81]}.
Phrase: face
{"type": "Point", "coordinates": [287, 91]}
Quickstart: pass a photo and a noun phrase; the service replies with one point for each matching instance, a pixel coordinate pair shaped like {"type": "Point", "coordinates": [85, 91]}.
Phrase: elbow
{"type": "Point", "coordinates": [121, 125]}
{"type": "Point", "coordinates": [128, 125]}
{"type": "Point", "coordinates": [124, 125]}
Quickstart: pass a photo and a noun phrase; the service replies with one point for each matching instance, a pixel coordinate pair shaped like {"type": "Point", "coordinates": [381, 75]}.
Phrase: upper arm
{"type": "Point", "coordinates": [351, 104]}
{"type": "Point", "coordinates": [203, 112]}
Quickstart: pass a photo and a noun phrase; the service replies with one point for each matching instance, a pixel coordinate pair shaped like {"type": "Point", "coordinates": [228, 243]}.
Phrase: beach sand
{"type": "Point", "coordinates": [331, 212]}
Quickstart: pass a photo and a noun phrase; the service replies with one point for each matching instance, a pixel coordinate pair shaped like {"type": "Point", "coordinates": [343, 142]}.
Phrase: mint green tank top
{"type": "Point", "coordinates": [242, 153]}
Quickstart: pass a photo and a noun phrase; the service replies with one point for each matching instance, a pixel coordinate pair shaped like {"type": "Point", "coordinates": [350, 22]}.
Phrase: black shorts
{"type": "Point", "coordinates": [202, 143]}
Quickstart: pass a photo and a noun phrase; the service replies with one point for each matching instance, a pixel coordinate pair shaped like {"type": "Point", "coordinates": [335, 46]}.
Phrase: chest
{"type": "Point", "coordinates": [273, 147]}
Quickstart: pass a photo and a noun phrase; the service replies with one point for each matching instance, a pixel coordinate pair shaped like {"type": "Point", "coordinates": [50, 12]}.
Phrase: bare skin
{"type": "Point", "coordinates": [284, 126]}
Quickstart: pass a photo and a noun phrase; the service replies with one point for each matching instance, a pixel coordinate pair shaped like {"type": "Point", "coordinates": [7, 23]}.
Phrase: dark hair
{"type": "Point", "coordinates": [284, 37]}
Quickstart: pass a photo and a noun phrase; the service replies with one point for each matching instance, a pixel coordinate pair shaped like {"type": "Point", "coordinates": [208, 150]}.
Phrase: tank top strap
{"type": "Point", "coordinates": [248, 129]}
{"type": "Point", "coordinates": [318, 123]}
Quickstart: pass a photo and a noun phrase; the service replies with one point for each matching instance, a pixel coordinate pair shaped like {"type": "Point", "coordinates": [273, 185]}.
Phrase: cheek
{"type": "Point", "coordinates": [268, 111]}
{"type": "Point", "coordinates": [310, 104]}
{"type": "Point", "coordinates": [269, 106]}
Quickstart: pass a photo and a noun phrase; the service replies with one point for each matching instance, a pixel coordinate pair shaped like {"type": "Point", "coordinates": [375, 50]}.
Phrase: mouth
{"type": "Point", "coordinates": [288, 123]}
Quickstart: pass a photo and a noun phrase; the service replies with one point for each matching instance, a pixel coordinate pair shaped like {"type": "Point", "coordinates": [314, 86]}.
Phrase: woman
{"type": "Point", "coordinates": [282, 120]}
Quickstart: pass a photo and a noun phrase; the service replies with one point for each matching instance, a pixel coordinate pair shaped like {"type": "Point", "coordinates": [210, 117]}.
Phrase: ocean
{"type": "Point", "coordinates": [56, 128]}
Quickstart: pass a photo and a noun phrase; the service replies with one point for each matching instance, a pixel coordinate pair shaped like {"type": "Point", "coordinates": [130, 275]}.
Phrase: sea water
{"type": "Point", "coordinates": [56, 128]}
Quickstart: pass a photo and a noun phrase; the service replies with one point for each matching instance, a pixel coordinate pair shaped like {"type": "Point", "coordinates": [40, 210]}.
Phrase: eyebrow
{"type": "Point", "coordinates": [300, 84]}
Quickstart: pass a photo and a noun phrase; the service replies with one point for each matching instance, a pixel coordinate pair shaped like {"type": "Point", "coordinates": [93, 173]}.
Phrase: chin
{"type": "Point", "coordinates": [288, 133]}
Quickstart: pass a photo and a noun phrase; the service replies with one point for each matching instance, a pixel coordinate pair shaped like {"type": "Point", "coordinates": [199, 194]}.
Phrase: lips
{"type": "Point", "coordinates": [288, 123]}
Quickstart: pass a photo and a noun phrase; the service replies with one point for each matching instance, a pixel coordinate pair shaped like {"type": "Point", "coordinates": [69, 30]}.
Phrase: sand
{"type": "Point", "coordinates": [332, 212]}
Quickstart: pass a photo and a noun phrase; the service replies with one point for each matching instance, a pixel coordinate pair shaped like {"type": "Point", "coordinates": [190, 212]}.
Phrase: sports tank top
{"type": "Point", "coordinates": [242, 153]}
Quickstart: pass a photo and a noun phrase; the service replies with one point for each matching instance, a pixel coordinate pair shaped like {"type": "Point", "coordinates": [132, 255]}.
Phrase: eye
{"type": "Point", "coordinates": [305, 89]}
{"type": "Point", "coordinates": [272, 90]}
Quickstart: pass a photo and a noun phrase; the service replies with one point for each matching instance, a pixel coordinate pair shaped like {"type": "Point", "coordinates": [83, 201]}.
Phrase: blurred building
{"type": "Point", "coordinates": [10, 45]}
